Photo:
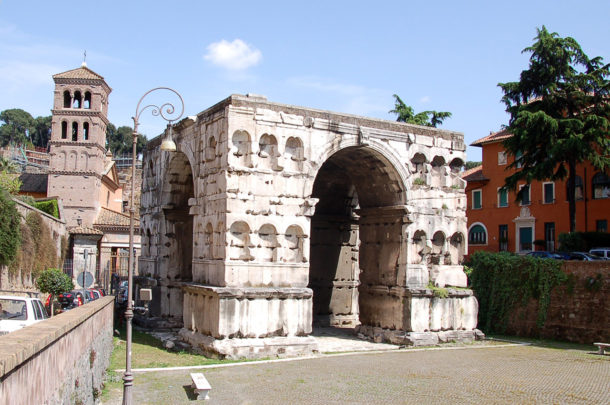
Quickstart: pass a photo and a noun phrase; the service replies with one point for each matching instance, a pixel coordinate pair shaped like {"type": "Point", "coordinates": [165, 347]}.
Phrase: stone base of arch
{"type": "Point", "coordinates": [256, 322]}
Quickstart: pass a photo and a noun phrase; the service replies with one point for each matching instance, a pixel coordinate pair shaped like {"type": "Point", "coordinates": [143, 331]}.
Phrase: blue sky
{"type": "Point", "coordinates": [344, 56]}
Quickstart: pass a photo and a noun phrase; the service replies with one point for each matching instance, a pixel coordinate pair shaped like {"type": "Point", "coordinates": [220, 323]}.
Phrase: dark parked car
{"type": "Point", "coordinates": [541, 254]}
{"type": "Point", "coordinates": [74, 299]}
{"type": "Point", "coordinates": [584, 257]}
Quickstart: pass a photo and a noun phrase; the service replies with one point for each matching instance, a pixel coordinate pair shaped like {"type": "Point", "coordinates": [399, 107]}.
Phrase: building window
{"type": "Point", "coordinates": [525, 197]}
{"type": "Point", "coordinates": [78, 100]}
{"type": "Point", "coordinates": [578, 190]}
{"type": "Point", "coordinates": [87, 103]}
{"type": "Point", "coordinates": [501, 158]}
{"type": "Point", "coordinates": [549, 236]}
{"type": "Point", "coordinates": [64, 130]}
{"type": "Point", "coordinates": [502, 197]}
{"type": "Point", "coordinates": [548, 192]}
{"type": "Point", "coordinates": [86, 131]}
{"type": "Point", "coordinates": [477, 199]}
{"type": "Point", "coordinates": [601, 225]}
{"type": "Point", "coordinates": [518, 157]}
{"type": "Point", "coordinates": [503, 238]}
{"type": "Point", "coordinates": [601, 186]}
{"type": "Point", "coordinates": [67, 99]}
{"type": "Point", "coordinates": [525, 239]}
{"type": "Point", "coordinates": [477, 235]}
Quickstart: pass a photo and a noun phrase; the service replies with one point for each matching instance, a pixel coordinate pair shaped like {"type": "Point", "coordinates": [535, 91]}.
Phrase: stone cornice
{"type": "Point", "coordinates": [77, 143]}
{"type": "Point", "coordinates": [74, 173]}
{"type": "Point", "coordinates": [90, 82]}
{"type": "Point", "coordinates": [63, 112]}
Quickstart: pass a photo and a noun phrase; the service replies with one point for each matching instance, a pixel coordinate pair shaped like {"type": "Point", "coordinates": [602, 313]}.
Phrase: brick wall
{"type": "Point", "coordinates": [578, 312]}
{"type": "Point", "coordinates": [61, 360]}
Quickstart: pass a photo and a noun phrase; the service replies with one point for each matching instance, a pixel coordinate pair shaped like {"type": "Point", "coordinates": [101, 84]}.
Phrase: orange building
{"type": "Point", "coordinates": [497, 222]}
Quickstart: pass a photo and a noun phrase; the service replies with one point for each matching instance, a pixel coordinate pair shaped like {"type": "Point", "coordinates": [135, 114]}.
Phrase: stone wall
{"type": "Point", "coordinates": [578, 312]}
{"type": "Point", "coordinates": [61, 360]}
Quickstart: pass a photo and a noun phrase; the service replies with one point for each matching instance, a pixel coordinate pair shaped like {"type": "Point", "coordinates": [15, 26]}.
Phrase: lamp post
{"type": "Point", "coordinates": [167, 111]}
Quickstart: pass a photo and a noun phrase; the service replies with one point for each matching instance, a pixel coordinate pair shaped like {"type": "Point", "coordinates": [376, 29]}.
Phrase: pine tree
{"type": "Point", "coordinates": [559, 114]}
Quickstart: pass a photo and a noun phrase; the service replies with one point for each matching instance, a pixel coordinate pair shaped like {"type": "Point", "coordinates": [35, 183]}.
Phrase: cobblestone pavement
{"type": "Point", "coordinates": [488, 375]}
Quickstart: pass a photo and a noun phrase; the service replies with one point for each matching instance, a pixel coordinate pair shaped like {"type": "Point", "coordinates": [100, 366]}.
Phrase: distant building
{"type": "Point", "coordinates": [497, 222]}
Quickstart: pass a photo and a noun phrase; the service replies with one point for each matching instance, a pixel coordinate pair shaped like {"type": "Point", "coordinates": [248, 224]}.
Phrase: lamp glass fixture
{"type": "Point", "coordinates": [168, 143]}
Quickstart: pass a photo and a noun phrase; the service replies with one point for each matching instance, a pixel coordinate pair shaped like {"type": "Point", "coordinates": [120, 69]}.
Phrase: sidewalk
{"type": "Point", "coordinates": [468, 374]}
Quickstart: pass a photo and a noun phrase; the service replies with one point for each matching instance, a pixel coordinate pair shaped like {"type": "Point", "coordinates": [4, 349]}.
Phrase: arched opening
{"type": "Point", "coordinates": [78, 99]}
{"type": "Point", "coordinates": [87, 103]}
{"type": "Point", "coordinates": [74, 131]}
{"type": "Point", "coordinates": [268, 152]}
{"type": "Point", "coordinates": [177, 190]}
{"type": "Point", "coordinates": [86, 131]}
{"type": "Point", "coordinates": [64, 130]}
{"type": "Point", "coordinates": [67, 99]}
{"type": "Point", "coordinates": [356, 240]}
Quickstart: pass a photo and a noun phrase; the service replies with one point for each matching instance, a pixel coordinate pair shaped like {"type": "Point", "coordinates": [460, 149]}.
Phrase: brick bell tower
{"type": "Point", "coordinates": [78, 143]}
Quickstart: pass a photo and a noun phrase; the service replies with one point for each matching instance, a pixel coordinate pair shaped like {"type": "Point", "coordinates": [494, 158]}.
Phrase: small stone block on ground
{"type": "Point", "coordinates": [602, 347]}
{"type": "Point", "coordinates": [201, 386]}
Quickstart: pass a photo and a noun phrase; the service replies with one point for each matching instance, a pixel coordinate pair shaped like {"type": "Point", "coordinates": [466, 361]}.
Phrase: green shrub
{"type": "Point", "coordinates": [502, 281]}
{"type": "Point", "coordinates": [10, 235]}
{"type": "Point", "coordinates": [583, 241]}
{"type": "Point", "coordinates": [48, 206]}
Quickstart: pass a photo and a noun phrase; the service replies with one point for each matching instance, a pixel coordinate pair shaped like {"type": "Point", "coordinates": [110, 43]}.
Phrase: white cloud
{"type": "Point", "coordinates": [236, 55]}
{"type": "Point", "coordinates": [424, 100]}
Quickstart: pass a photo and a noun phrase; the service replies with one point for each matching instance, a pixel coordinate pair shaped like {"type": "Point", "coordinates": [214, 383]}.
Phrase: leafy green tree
{"type": "Point", "coordinates": [10, 231]}
{"type": "Point", "coordinates": [471, 164]}
{"type": "Point", "coordinates": [119, 140]}
{"type": "Point", "coordinates": [407, 114]}
{"type": "Point", "coordinates": [41, 131]}
{"type": "Point", "coordinates": [17, 126]}
{"type": "Point", "coordinates": [559, 114]}
{"type": "Point", "coordinates": [54, 282]}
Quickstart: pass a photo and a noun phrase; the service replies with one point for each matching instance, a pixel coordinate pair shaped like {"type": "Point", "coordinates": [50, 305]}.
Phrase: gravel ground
{"type": "Point", "coordinates": [470, 374]}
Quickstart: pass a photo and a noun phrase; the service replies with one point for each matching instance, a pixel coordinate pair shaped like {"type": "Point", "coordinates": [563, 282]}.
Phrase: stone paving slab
{"type": "Point", "coordinates": [490, 375]}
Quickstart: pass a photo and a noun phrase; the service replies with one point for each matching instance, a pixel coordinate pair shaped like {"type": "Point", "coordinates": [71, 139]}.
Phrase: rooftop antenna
{"type": "Point", "coordinates": [84, 64]}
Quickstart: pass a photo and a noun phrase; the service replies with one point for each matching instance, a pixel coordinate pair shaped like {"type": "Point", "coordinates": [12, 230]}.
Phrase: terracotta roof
{"type": "Point", "coordinates": [474, 174]}
{"type": "Point", "coordinates": [109, 218]}
{"type": "Point", "coordinates": [82, 72]}
{"type": "Point", "coordinates": [493, 137]}
{"type": "Point", "coordinates": [83, 230]}
{"type": "Point", "coordinates": [34, 182]}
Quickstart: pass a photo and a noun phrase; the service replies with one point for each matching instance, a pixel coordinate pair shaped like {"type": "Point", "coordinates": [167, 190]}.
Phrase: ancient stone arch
{"type": "Point", "coordinates": [309, 217]}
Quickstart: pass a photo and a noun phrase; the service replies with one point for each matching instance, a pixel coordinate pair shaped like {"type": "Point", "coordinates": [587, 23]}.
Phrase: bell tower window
{"type": "Point", "coordinates": [87, 103]}
{"type": "Point", "coordinates": [77, 103]}
{"type": "Point", "coordinates": [66, 99]}
{"type": "Point", "coordinates": [64, 130]}
{"type": "Point", "coordinates": [86, 131]}
{"type": "Point", "coordinates": [74, 131]}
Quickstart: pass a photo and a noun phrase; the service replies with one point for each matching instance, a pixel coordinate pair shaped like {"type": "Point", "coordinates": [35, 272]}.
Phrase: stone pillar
{"type": "Point", "coordinates": [84, 259]}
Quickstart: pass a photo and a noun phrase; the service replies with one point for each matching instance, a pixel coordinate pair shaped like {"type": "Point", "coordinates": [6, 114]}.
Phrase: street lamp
{"type": "Point", "coordinates": [167, 111]}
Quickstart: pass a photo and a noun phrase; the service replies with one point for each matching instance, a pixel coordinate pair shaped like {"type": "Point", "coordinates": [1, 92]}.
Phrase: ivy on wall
{"type": "Point", "coordinates": [10, 235]}
{"type": "Point", "coordinates": [37, 251]}
{"type": "Point", "coordinates": [501, 281]}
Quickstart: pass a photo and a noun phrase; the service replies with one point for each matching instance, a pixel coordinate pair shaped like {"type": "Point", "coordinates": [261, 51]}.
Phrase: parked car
{"type": "Point", "coordinates": [541, 254]}
{"type": "Point", "coordinates": [603, 253]}
{"type": "Point", "coordinates": [583, 256]}
{"type": "Point", "coordinates": [95, 294]}
{"type": "Point", "coordinates": [74, 298]}
{"type": "Point", "coordinates": [19, 312]}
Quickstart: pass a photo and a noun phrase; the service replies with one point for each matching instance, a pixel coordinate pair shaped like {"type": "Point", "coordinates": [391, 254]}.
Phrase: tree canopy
{"type": "Point", "coordinates": [54, 282]}
{"type": "Point", "coordinates": [119, 140]}
{"type": "Point", "coordinates": [20, 128]}
{"type": "Point", "coordinates": [559, 114]}
{"type": "Point", "coordinates": [407, 114]}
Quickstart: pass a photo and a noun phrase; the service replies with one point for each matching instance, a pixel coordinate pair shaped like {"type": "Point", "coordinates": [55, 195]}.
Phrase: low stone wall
{"type": "Point", "coordinates": [61, 360]}
{"type": "Point", "coordinates": [578, 311]}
